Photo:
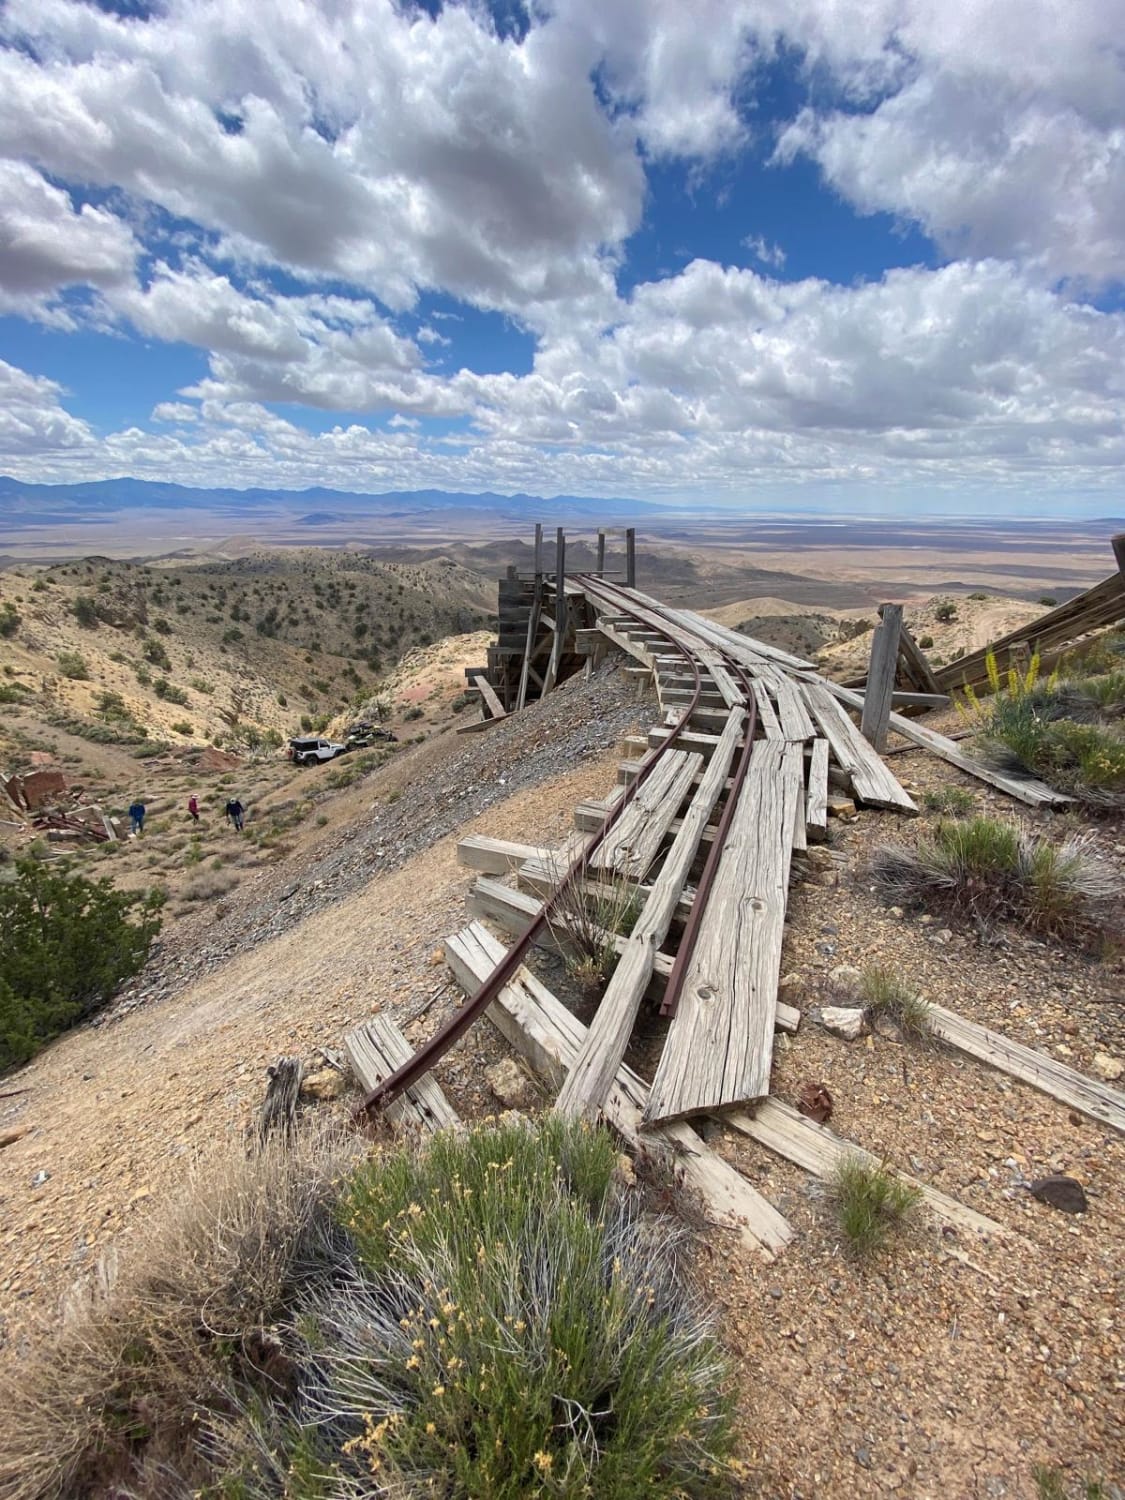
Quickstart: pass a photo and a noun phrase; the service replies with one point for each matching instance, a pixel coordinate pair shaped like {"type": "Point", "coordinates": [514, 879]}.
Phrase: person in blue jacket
{"type": "Point", "coordinates": [137, 816]}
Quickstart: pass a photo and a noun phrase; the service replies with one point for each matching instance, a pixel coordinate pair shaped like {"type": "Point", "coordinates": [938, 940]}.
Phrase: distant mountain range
{"type": "Point", "coordinates": [57, 504]}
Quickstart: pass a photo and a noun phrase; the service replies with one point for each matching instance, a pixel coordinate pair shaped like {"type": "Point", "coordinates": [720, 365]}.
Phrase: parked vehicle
{"type": "Point", "coordinates": [310, 750]}
{"type": "Point", "coordinates": [366, 733]}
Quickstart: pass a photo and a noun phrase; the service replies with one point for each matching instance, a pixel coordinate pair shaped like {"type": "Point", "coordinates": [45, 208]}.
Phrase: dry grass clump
{"type": "Point", "coordinates": [949, 801]}
{"type": "Point", "coordinates": [884, 994]}
{"type": "Point", "coordinates": [116, 1403]}
{"type": "Point", "coordinates": [587, 918]}
{"type": "Point", "coordinates": [209, 886]}
{"type": "Point", "coordinates": [871, 1203]}
{"type": "Point", "coordinates": [991, 870]}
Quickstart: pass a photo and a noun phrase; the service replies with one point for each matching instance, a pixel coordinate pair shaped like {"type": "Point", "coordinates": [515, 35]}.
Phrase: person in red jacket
{"type": "Point", "coordinates": [193, 807]}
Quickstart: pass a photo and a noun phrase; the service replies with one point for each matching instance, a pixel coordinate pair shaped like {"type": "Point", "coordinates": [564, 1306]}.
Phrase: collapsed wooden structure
{"type": "Point", "coordinates": [711, 809]}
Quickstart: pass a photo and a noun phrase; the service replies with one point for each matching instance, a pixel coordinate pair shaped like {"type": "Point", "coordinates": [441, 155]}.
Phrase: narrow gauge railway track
{"type": "Point", "coordinates": [432, 1051]}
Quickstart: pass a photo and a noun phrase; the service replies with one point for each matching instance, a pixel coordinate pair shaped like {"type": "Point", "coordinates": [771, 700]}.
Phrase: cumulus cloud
{"type": "Point", "coordinates": [46, 244]}
{"type": "Point", "coordinates": [33, 421]}
{"type": "Point", "coordinates": [386, 147]}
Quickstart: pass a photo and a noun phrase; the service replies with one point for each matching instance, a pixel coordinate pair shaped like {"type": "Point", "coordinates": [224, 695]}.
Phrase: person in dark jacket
{"type": "Point", "coordinates": [236, 813]}
{"type": "Point", "coordinates": [193, 808]}
{"type": "Point", "coordinates": [137, 817]}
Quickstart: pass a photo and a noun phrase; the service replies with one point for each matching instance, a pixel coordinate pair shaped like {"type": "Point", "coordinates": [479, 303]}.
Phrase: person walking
{"type": "Point", "coordinates": [193, 808]}
{"type": "Point", "coordinates": [137, 817]}
{"type": "Point", "coordinates": [236, 813]}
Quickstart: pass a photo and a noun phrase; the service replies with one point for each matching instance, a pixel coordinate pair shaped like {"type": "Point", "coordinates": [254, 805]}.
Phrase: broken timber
{"type": "Point", "coordinates": [549, 1036]}
{"type": "Point", "coordinates": [375, 1050]}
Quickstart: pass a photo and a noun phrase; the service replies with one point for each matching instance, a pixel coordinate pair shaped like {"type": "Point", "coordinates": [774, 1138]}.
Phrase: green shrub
{"type": "Point", "coordinates": [871, 1203]}
{"type": "Point", "coordinates": [925, 641]}
{"type": "Point", "coordinates": [143, 675]}
{"type": "Point", "coordinates": [156, 655]}
{"type": "Point", "coordinates": [181, 726]}
{"type": "Point", "coordinates": [978, 596]}
{"type": "Point", "coordinates": [414, 712]}
{"type": "Point", "coordinates": [85, 611]}
{"type": "Point", "coordinates": [73, 664]}
{"type": "Point", "coordinates": [9, 620]}
{"type": "Point", "coordinates": [162, 626]}
{"type": "Point", "coordinates": [169, 692]}
{"type": "Point", "coordinates": [945, 611]}
{"type": "Point", "coordinates": [991, 870]}
{"type": "Point", "coordinates": [68, 944]}
{"type": "Point", "coordinates": [1048, 601]}
{"type": "Point", "coordinates": [1054, 732]}
{"type": "Point", "coordinates": [13, 692]}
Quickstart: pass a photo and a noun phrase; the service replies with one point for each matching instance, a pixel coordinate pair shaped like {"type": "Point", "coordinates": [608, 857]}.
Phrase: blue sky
{"type": "Point", "coordinates": [753, 255]}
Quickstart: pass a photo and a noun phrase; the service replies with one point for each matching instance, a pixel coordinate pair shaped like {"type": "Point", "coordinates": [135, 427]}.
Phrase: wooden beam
{"type": "Point", "coordinates": [720, 1044]}
{"type": "Point", "coordinates": [901, 700]}
{"type": "Point", "coordinates": [630, 557]}
{"type": "Point", "coordinates": [1038, 1069]}
{"type": "Point", "coordinates": [782, 1129]}
{"type": "Point", "coordinates": [550, 1037]}
{"type": "Point", "coordinates": [1118, 544]}
{"type": "Point", "coordinates": [376, 1050]}
{"type": "Point", "coordinates": [871, 780]}
{"type": "Point", "coordinates": [881, 676]}
{"type": "Point", "coordinates": [603, 1049]}
{"type": "Point", "coordinates": [532, 628]}
{"type": "Point", "coordinates": [560, 621]}
{"type": "Point", "coordinates": [917, 663]}
{"type": "Point", "coordinates": [496, 708]}
{"type": "Point", "coordinates": [538, 550]}
{"type": "Point", "coordinates": [601, 554]}
{"type": "Point", "coordinates": [496, 856]}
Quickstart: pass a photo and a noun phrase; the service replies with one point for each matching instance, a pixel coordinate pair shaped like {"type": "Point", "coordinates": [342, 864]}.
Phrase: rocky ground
{"type": "Point", "coordinates": [947, 1367]}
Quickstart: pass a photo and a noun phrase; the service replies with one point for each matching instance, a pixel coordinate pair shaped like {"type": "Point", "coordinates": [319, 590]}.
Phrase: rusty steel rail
{"type": "Point", "coordinates": [434, 1050]}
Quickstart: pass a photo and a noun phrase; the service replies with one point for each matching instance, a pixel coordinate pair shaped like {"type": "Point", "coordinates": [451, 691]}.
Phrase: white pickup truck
{"type": "Point", "coordinates": [309, 750]}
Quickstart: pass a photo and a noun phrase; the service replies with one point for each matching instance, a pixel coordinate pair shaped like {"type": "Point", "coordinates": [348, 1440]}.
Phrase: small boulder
{"type": "Point", "coordinates": [1060, 1192]}
{"type": "Point", "coordinates": [846, 977]}
{"type": "Point", "coordinates": [511, 1085]}
{"type": "Point", "coordinates": [324, 1084]}
{"type": "Point", "coordinates": [1109, 1068]}
{"type": "Point", "coordinates": [841, 1020]}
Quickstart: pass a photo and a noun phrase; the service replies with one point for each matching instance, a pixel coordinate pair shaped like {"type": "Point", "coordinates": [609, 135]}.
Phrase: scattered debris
{"type": "Point", "coordinates": [815, 1101]}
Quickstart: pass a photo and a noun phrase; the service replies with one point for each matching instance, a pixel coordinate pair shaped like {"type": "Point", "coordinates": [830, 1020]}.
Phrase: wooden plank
{"type": "Point", "coordinates": [816, 803]}
{"type": "Point", "coordinates": [767, 718]}
{"type": "Point", "coordinates": [635, 839]}
{"type": "Point", "coordinates": [784, 1130]}
{"type": "Point", "coordinates": [279, 1107]}
{"type": "Point", "coordinates": [872, 781]}
{"type": "Point", "coordinates": [496, 856]}
{"type": "Point", "coordinates": [791, 710]}
{"type": "Point", "coordinates": [881, 677]}
{"type": "Point", "coordinates": [1024, 789]}
{"type": "Point", "coordinates": [720, 1044]}
{"type": "Point", "coordinates": [496, 708]}
{"type": "Point", "coordinates": [1038, 1069]}
{"type": "Point", "coordinates": [604, 1046]}
{"type": "Point", "coordinates": [541, 1028]}
{"type": "Point", "coordinates": [376, 1050]}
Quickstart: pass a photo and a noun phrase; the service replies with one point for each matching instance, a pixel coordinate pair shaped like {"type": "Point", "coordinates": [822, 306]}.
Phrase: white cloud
{"type": "Point", "coordinates": [380, 146]}
{"type": "Point", "coordinates": [47, 244]}
{"type": "Point", "coordinates": [33, 421]}
{"type": "Point", "coordinates": [764, 251]}
{"type": "Point", "coordinates": [1000, 130]}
